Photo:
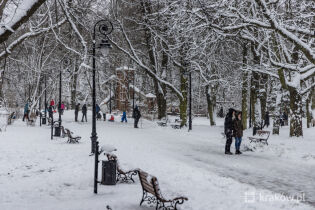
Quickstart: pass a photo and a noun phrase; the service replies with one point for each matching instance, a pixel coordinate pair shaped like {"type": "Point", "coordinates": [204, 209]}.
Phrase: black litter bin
{"type": "Point", "coordinates": [44, 120]}
{"type": "Point", "coordinates": [109, 172]}
{"type": "Point", "coordinates": [57, 131]}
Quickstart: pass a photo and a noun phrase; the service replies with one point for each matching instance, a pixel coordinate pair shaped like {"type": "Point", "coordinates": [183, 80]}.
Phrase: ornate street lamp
{"type": "Point", "coordinates": [65, 63]}
{"type": "Point", "coordinates": [103, 27]}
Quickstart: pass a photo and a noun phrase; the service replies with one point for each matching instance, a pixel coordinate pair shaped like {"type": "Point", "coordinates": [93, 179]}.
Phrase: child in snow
{"type": "Point", "coordinates": [124, 117]}
{"type": "Point", "coordinates": [111, 119]}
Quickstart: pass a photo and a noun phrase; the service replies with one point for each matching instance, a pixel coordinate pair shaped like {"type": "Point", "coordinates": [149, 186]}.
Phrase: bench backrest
{"type": "Point", "coordinates": [68, 133]}
{"type": "Point", "coordinates": [263, 133]}
{"type": "Point", "coordinates": [147, 182]}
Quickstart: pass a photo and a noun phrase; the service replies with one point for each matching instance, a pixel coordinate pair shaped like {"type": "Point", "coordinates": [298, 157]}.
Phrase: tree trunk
{"type": "Point", "coordinates": [74, 85]}
{"type": "Point", "coordinates": [210, 104]}
{"type": "Point", "coordinates": [160, 99]}
{"type": "Point", "coordinates": [296, 113]}
{"type": "Point", "coordinates": [244, 89]}
{"type": "Point", "coordinates": [183, 102]}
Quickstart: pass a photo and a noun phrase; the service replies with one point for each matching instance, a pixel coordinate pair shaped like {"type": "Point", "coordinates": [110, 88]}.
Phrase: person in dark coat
{"type": "Point", "coordinates": [97, 110]}
{"type": "Point", "coordinates": [26, 111]}
{"type": "Point", "coordinates": [84, 111]}
{"type": "Point", "coordinates": [50, 111]}
{"type": "Point", "coordinates": [136, 115]}
{"type": "Point", "coordinates": [228, 130]}
{"type": "Point", "coordinates": [238, 128]}
{"type": "Point", "coordinates": [267, 119]}
{"type": "Point", "coordinates": [76, 112]}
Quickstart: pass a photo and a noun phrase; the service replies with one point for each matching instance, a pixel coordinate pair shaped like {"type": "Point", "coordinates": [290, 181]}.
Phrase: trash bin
{"type": "Point", "coordinates": [57, 131]}
{"type": "Point", "coordinates": [109, 172]}
{"type": "Point", "coordinates": [275, 130]}
{"type": "Point", "coordinates": [44, 120]}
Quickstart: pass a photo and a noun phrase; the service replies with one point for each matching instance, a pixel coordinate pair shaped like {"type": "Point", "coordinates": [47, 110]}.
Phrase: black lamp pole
{"type": "Point", "coordinates": [105, 27]}
{"type": "Point", "coordinates": [190, 100]}
{"type": "Point", "coordinates": [59, 105]}
{"type": "Point", "coordinates": [110, 98]}
{"type": "Point", "coordinates": [133, 92]}
{"type": "Point", "coordinates": [45, 100]}
{"type": "Point", "coordinates": [39, 103]}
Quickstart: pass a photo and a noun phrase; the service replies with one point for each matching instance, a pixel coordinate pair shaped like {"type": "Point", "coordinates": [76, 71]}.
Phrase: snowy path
{"type": "Point", "coordinates": [37, 173]}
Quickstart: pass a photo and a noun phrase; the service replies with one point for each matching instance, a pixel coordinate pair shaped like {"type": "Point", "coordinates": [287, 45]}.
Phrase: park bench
{"type": "Point", "coordinates": [177, 124]}
{"type": "Point", "coordinates": [262, 137]}
{"type": "Point", "coordinates": [63, 132]}
{"type": "Point", "coordinates": [71, 139]}
{"type": "Point", "coordinates": [162, 123]}
{"type": "Point", "coordinates": [122, 175]}
{"type": "Point", "coordinates": [152, 193]}
{"type": "Point", "coordinates": [11, 118]}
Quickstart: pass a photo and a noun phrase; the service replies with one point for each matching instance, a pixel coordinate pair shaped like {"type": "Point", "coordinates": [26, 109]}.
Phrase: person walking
{"type": "Point", "coordinates": [62, 107]}
{"type": "Point", "coordinates": [84, 111]}
{"type": "Point", "coordinates": [267, 119]}
{"type": "Point", "coordinates": [76, 112]}
{"type": "Point", "coordinates": [50, 112]}
{"type": "Point", "coordinates": [97, 110]}
{"type": "Point", "coordinates": [228, 130]}
{"type": "Point", "coordinates": [124, 117]}
{"type": "Point", "coordinates": [136, 115]}
{"type": "Point", "coordinates": [238, 127]}
{"type": "Point", "coordinates": [26, 111]}
{"type": "Point", "coordinates": [104, 110]}
{"type": "Point", "coordinates": [52, 103]}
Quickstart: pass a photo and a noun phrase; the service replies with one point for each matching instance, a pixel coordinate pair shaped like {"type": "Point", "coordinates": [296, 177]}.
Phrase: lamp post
{"type": "Point", "coordinates": [65, 62]}
{"type": "Point", "coordinates": [44, 119]}
{"type": "Point", "coordinates": [103, 27]}
{"type": "Point", "coordinates": [39, 103]}
{"type": "Point", "coordinates": [110, 98]}
{"type": "Point", "coordinates": [190, 101]}
{"type": "Point", "coordinates": [133, 92]}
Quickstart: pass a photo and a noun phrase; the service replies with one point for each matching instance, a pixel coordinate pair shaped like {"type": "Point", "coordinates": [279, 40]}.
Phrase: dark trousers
{"type": "Point", "coordinates": [25, 116]}
{"type": "Point", "coordinates": [84, 116]}
{"type": "Point", "coordinates": [136, 122]}
{"type": "Point", "coordinates": [76, 116]}
{"type": "Point", "coordinates": [228, 141]}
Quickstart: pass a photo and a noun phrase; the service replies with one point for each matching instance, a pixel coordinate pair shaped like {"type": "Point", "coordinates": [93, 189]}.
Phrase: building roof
{"type": "Point", "coordinates": [150, 95]}
{"type": "Point", "coordinates": [125, 68]}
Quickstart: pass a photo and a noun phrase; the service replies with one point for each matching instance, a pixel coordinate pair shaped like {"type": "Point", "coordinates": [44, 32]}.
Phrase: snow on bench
{"type": "Point", "coordinates": [262, 137]}
{"type": "Point", "coordinates": [152, 193]}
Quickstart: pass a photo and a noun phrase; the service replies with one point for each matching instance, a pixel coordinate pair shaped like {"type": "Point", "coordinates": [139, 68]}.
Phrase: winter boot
{"type": "Point", "coordinates": [238, 152]}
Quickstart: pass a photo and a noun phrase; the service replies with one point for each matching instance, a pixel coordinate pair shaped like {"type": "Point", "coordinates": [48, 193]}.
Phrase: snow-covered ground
{"type": "Point", "coordinates": [39, 173]}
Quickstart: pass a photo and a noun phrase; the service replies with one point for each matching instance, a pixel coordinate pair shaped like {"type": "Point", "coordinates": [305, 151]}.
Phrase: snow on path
{"type": "Point", "coordinates": [37, 173]}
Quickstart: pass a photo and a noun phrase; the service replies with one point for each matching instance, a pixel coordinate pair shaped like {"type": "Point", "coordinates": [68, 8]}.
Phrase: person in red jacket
{"type": "Point", "coordinates": [52, 103]}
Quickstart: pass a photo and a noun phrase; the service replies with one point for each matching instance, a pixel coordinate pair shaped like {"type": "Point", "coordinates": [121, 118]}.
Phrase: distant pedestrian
{"type": "Point", "coordinates": [124, 117]}
{"type": "Point", "coordinates": [136, 115]}
{"type": "Point", "coordinates": [229, 130]}
{"type": "Point", "coordinates": [97, 110]}
{"type": "Point", "coordinates": [84, 111]}
{"type": "Point", "coordinates": [50, 112]}
{"type": "Point", "coordinates": [52, 103]}
{"type": "Point", "coordinates": [104, 110]}
{"type": "Point", "coordinates": [76, 112]}
{"type": "Point", "coordinates": [238, 127]}
{"type": "Point", "coordinates": [26, 112]}
{"type": "Point", "coordinates": [62, 107]}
